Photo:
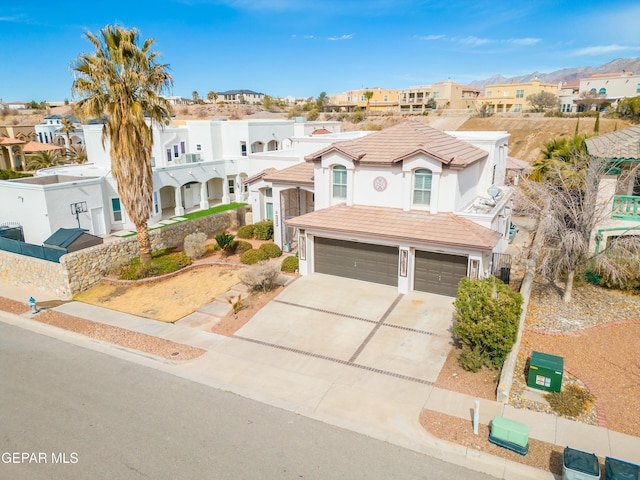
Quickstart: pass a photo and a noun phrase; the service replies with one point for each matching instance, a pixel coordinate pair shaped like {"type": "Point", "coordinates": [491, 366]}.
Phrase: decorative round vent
{"type": "Point", "coordinates": [379, 184]}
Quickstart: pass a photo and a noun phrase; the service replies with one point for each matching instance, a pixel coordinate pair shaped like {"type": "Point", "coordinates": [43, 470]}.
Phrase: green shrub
{"type": "Point", "coordinates": [162, 262]}
{"type": "Point", "coordinates": [253, 256]}
{"type": "Point", "coordinates": [246, 231]}
{"type": "Point", "coordinates": [487, 318]}
{"type": "Point", "coordinates": [263, 230]}
{"type": "Point", "coordinates": [290, 264]}
{"type": "Point", "coordinates": [571, 401]}
{"type": "Point", "coordinates": [195, 245]}
{"type": "Point", "coordinates": [470, 360]}
{"type": "Point", "coordinates": [262, 277]}
{"type": "Point", "coordinates": [271, 249]}
{"type": "Point", "coordinates": [225, 241]}
{"type": "Point", "coordinates": [242, 246]}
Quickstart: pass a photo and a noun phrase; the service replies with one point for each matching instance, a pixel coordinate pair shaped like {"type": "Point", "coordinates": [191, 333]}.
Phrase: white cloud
{"type": "Point", "coordinates": [430, 37]}
{"type": "Point", "coordinates": [341, 37]}
{"type": "Point", "coordinates": [602, 49]}
{"type": "Point", "coordinates": [523, 41]}
{"type": "Point", "coordinates": [473, 41]}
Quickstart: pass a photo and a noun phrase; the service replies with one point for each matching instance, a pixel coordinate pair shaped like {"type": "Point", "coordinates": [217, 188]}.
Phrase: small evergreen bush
{"type": "Point", "coordinates": [263, 230]}
{"type": "Point", "coordinates": [470, 360]}
{"type": "Point", "coordinates": [487, 318]}
{"type": "Point", "coordinates": [246, 231]}
{"type": "Point", "coordinates": [290, 264]}
{"type": "Point", "coordinates": [195, 245]}
{"type": "Point", "coordinates": [262, 277]}
{"type": "Point", "coordinates": [253, 256]}
{"type": "Point", "coordinates": [242, 246]}
{"type": "Point", "coordinates": [271, 249]}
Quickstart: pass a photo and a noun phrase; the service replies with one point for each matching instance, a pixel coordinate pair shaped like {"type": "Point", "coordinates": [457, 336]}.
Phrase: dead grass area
{"type": "Point", "coordinates": [119, 336]}
{"type": "Point", "coordinates": [167, 300]}
{"type": "Point", "coordinates": [232, 322]}
{"type": "Point", "coordinates": [541, 455]}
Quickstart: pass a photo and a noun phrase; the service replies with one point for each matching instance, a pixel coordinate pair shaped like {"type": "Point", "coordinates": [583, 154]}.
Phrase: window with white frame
{"type": "Point", "coordinates": [116, 210]}
{"type": "Point", "coordinates": [339, 182]}
{"type": "Point", "coordinates": [517, 107]}
{"type": "Point", "coordinates": [519, 93]}
{"type": "Point", "coordinates": [232, 185]}
{"type": "Point", "coordinates": [422, 187]}
{"type": "Point", "coordinates": [269, 203]}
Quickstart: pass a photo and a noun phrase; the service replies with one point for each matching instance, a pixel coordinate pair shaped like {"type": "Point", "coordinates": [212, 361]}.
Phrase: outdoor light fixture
{"type": "Point", "coordinates": [78, 208]}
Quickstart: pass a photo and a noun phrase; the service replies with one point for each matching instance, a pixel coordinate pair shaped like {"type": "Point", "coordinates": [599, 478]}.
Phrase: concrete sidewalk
{"type": "Point", "coordinates": [361, 400]}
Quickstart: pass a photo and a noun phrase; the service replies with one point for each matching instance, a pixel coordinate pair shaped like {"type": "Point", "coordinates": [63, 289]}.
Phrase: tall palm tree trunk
{"type": "Point", "coordinates": [144, 242]}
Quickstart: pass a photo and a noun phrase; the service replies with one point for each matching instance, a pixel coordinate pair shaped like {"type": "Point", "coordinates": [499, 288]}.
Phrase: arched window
{"type": "Point", "coordinates": [339, 182]}
{"type": "Point", "coordinates": [593, 90]}
{"type": "Point", "coordinates": [422, 187]}
{"type": "Point", "coordinates": [602, 91]}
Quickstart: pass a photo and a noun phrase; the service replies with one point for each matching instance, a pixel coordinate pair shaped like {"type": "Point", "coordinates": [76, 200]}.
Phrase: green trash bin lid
{"type": "Point", "coordinates": [545, 360]}
{"type": "Point", "coordinates": [580, 461]}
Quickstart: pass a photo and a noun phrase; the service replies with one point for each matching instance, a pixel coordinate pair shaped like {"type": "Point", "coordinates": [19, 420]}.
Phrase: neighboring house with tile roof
{"type": "Point", "coordinates": [619, 187]}
{"type": "Point", "coordinates": [408, 206]}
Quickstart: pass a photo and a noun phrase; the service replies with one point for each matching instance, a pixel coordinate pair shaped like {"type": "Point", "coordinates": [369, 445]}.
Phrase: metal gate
{"type": "Point", "coordinates": [501, 266]}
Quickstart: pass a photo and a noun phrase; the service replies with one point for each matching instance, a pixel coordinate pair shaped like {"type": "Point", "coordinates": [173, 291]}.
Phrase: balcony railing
{"type": "Point", "coordinates": [626, 207]}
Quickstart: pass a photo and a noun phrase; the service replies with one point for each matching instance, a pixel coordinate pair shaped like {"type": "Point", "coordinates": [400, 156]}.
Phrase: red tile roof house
{"type": "Point", "coordinates": [408, 206]}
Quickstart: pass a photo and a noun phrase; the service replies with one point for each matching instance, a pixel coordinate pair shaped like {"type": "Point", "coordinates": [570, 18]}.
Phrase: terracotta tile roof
{"type": "Point", "coordinates": [299, 174]}
{"type": "Point", "coordinates": [320, 131]}
{"type": "Point", "coordinates": [11, 141]}
{"type": "Point", "coordinates": [403, 141]}
{"type": "Point", "coordinates": [442, 229]}
{"type": "Point", "coordinates": [31, 147]}
{"type": "Point", "coordinates": [258, 176]}
{"type": "Point", "coordinates": [620, 144]}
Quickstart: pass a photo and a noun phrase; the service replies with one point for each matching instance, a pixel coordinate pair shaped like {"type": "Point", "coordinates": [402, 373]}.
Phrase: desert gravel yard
{"type": "Point", "coordinates": [165, 300]}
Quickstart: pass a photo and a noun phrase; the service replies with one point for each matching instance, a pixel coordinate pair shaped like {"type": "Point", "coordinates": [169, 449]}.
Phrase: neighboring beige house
{"type": "Point", "coordinates": [512, 97]}
{"type": "Point", "coordinates": [610, 87]}
{"type": "Point", "coordinates": [382, 100]}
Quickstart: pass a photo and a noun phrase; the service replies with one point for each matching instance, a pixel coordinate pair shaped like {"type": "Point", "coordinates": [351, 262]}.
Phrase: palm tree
{"type": "Point", "coordinates": [212, 96]}
{"type": "Point", "coordinates": [77, 153]}
{"type": "Point", "coordinates": [123, 81]}
{"type": "Point", "coordinates": [196, 96]}
{"type": "Point", "coordinates": [368, 95]}
{"type": "Point", "coordinates": [67, 129]}
{"type": "Point", "coordinates": [44, 159]}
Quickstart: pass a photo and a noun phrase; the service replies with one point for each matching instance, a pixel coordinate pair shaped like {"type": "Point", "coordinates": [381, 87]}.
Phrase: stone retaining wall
{"type": "Point", "coordinates": [77, 271]}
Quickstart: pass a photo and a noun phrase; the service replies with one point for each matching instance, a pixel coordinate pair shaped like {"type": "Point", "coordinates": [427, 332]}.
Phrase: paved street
{"type": "Point", "coordinates": [102, 417]}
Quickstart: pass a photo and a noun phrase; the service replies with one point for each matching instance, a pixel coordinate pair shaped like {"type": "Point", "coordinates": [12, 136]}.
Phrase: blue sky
{"type": "Point", "coordinates": [300, 48]}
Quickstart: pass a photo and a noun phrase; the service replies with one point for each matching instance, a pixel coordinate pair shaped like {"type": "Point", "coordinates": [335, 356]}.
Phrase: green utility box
{"type": "Point", "coordinates": [545, 372]}
{"type": "Point", "coordinates": [510, 434]}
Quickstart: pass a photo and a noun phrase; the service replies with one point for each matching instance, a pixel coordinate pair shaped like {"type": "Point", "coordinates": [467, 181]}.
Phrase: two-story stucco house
{"type": "Point", "coordinates": [408, 206]}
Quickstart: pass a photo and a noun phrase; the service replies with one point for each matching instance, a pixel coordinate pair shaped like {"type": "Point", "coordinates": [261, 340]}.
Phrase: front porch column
{"type": "Point", "coordinates": [239, 189]}
{"type": "Point", "coordinates": [12, 160]}
{"type": "Point", "coordinates": [178, 200]}
{"type": "Point", "coordinates": [226, 196]}
{"type": "Point", "coordinates": [204, 198]}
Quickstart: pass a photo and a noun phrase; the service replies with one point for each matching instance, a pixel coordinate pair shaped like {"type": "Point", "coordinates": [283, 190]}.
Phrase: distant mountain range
{"type": "Point", "coordinates": [567, 75]}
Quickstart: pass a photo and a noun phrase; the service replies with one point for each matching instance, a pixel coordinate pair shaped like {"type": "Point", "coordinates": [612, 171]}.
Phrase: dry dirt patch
{"type": "Point", "coordinates": [167, 300]}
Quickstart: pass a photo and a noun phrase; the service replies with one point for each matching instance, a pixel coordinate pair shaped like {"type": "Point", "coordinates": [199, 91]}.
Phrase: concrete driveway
{"type": "Point", "coordinates": [365, 325]}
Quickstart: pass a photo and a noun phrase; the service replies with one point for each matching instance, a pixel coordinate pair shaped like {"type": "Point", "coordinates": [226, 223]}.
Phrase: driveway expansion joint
{"type": "Point", "coordinates": [335, 360]}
